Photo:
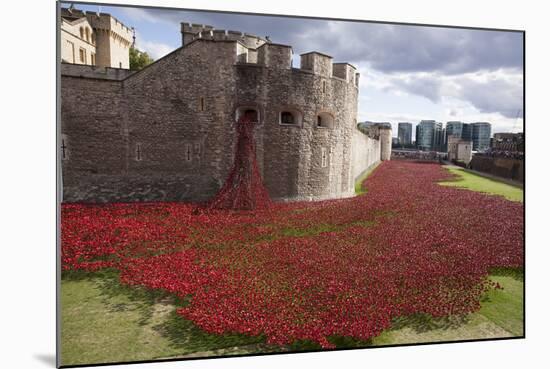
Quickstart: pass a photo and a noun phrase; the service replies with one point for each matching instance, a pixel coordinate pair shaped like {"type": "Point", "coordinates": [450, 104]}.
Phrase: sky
{"type": "Point", "coordinates": [408, 73]}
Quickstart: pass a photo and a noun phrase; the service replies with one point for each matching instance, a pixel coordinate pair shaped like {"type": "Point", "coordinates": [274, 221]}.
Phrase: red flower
{"type": "Point", "coordinates": [310, 270]}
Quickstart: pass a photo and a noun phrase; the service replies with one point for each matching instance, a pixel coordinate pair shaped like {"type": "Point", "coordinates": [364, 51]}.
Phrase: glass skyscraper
{"type": "Point", "coordinates": [404, 133]}
{"type": "Point", "coordinates": [481, 136]}
{"type": "Point", "coordinates": [429, 135]}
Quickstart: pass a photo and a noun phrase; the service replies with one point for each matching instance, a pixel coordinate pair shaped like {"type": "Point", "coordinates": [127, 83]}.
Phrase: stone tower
{"type": "Point", "coordinates": [113, 40]}
{"type": "Point", "coordinates": [385, 142]}
{"type": "Point", "coordinates": [97, 39]}
{"type": "Point", "coordinates": [166, 132]}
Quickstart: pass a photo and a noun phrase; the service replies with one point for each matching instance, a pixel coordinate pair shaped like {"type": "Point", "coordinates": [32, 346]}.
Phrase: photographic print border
{"type": "Point", "coordinates": [59, 186]}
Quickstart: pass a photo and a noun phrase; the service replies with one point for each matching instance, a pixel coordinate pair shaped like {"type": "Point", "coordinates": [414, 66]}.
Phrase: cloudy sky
{"type": "Point", "coordinates": [408, 73]}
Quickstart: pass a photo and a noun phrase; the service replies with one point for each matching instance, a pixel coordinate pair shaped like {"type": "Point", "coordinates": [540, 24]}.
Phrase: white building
{"type": "Point", "coordinates": [94, 39]}
{"type": "Point", "coordinates": [459, 149]}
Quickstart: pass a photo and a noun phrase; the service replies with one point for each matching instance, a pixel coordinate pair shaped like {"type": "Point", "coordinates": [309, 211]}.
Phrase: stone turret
{"type": "Point", "coordinates": [385, 141]}
{"type": "Point", "coordinates": [113, 40]}
{"type": "Point", "coordinates": [316, 62]}
{"type": "Point", "coordinates": [307, 144]}
{"type": "Point", "coordinates": [188, 31]}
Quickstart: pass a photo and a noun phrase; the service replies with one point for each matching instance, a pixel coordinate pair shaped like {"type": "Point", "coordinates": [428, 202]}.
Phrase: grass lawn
{"type": "Point", "coordinates": [501, 315]}
{"type": "Point", "coordinates": [474, 182]}
{"type": "Point", "coordinates": [103, 321]}
{"type": "Point", "coordinates": [359, 189]}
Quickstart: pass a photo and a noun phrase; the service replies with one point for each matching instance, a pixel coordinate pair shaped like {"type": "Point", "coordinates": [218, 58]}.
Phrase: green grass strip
{"type": "Point", "coordinates": [474, 182]}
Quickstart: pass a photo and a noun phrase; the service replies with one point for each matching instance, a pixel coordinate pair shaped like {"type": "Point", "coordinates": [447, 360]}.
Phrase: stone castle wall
{"type": "Point", "coordinates": [500, 167]}
{"type": "Point", "coordinates": [366, 153]}
{"type": "Point", "coordinates": [167, 133]}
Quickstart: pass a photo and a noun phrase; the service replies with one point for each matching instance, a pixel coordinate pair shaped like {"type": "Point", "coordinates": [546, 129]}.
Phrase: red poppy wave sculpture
{"type": "Point", "coordinates": [307, 271]}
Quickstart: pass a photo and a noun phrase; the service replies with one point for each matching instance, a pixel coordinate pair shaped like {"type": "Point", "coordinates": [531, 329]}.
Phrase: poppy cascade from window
{"type": "Point", "coordinates": [243, 189]}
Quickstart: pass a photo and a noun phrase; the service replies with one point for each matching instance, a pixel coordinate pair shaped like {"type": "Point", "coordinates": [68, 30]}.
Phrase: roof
{"type": "Point", "coordinates": [316, 52]}
{"type": "Point", "coordinates": [343, 63]}
{"type": "Point", "coordinates": [274, 44]}
{"type": "Point", "coordinates": [72, 15]}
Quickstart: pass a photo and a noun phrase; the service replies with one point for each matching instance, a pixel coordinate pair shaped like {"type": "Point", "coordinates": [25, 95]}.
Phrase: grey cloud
{"type": "Point", "coordinates": [414, 59]}
{"type": "Point", "coordinates": [398, 48]}
{"type": "Point", "coordinates": [494, 96]}
{"type": "Point", "coordinates": [426, 86]}
{"type": "Point", "coordinates": [387, 48]}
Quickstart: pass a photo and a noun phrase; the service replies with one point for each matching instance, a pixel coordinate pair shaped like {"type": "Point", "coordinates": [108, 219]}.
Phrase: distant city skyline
{"type": "Point", "coordinates": [408, 73]}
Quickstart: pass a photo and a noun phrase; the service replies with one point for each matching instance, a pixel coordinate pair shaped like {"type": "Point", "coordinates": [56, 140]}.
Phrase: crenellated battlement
{"type": "Point", "coordinates": [106, 22]}
{"type": "Point", "coordinates": [346, 72]}
{"type": "Point", "coordinates": [317, 62]}
{"type": "Point", "coordinates": [275, 56]}
{"type": "Point", "coordinates": [321, 64]}
{"type": "Point", "coordinates": [192, 31]}
{"type": "Point", "coordinates": [164, 131]}
{"type": "Point", "coordinates": [94, 38]}
{"type": "Point", "coordinates": [252, 49]}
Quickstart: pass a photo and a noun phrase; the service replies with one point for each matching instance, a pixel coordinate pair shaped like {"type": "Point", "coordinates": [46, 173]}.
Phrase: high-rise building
{"type": "Point", "coordinates": [439, 139]}
{"type": "Point", "coordinates": [404, 133]}
{"type": "Point", "coordinates": [466, 132]}
{"type": "Point", "coordinates": [481, 136]}
{"type": "Point", "coordinates": [429, 135]}
{"type": "Point", "coordinates": [454, 128]}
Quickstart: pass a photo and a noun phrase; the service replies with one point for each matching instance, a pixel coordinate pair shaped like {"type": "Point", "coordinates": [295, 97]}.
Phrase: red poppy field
{"type": "Point", "coordinates": [310, 271]}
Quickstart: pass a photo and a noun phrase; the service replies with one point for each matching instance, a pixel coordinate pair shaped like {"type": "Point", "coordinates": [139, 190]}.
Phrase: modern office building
{"type": "Point", "coordinates": [430, 136]}
{"type": "Point", "coordinates": [481, 136]}
{"type": "Point", "coordinates": [459, 130]}
{"type": "Point", "coordinates": [404, 133]}
{"type": "Point", "coordinates": [454, 128]}
{"type": "Point", "coordinates": [466, 132]}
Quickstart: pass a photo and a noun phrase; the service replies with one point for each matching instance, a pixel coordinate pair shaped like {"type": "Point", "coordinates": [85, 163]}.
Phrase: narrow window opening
{"type": "Point", "coordinates": [324, 86]}
{"type": "Point", "coordinates": [83, 56]}
{"type": "Point", "coordinates": [287, 117]}
{"type": "Point", "coordinates": [188, 152]}
{"type": "Point", "coordinates": [247, 113]}
{"type": "Point", "coordinates": [325, 120]}
{"type": "Point", "coordinates": [64, 153]}
{"type": "Point", "coordinates": [201, 104]}
{"type": "Point", "coordinates": [324, 157]}
{"type": "Point", "coordinates": [251, 114]}
{"type": "Point", "coordinates": [198, 150]}
{"type": "Point", "coordinates": [139, 153]}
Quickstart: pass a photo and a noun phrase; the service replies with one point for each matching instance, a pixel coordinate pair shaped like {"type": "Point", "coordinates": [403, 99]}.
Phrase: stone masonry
{"type": "Point", "coordinates": [167, 132]}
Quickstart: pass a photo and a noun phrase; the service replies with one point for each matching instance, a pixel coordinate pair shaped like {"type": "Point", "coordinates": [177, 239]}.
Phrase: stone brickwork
{"type": "Point", "coordinates": [500, 167]}
{"type": "Point", "coordinates": [92, 38]}
{"type": "Point", "coordinates": [366, 152]}
{"type": "Point", "coordinates": [167, 132]}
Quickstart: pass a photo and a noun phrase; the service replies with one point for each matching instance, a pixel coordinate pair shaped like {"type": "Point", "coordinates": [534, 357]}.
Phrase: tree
{"type": "Point", "coordinates": [139, 59]}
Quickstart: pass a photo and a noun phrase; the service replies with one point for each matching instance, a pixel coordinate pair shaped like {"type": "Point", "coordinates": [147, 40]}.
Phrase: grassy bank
{"type": "Point", "coordinates": [103, 321]}
{"type": "Point", "coordinates": [359, 188]}
{"type": "Point", "coordinates": [474, 182]}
